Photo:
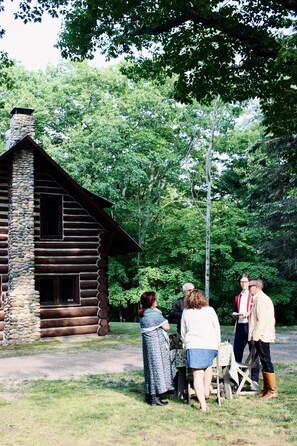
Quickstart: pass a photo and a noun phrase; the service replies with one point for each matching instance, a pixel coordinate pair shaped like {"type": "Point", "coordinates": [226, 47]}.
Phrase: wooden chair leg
{"type": "Point", "coordinates": [218, 388]}
{"type": "Point", "coordinates": [244, 372]}
{"type": "Point", "coordinates": [189, 392]}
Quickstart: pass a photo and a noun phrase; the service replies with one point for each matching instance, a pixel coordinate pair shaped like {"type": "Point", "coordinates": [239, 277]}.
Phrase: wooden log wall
{"type": "Point", "coordinates": [3, 240]}
{"type": "Point", "coordinates": [103, 313]}
{"type": "Point", "coordinates": [77, 253]}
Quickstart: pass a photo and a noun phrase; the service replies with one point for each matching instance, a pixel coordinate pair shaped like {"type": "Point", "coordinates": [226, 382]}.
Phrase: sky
{"type": "Point", "coordinates": [32, 44]}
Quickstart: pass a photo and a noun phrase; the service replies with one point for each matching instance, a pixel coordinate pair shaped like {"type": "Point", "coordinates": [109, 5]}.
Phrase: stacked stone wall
{"type": "Point", "coordinates": [21, 125]}
{"type": "Point", "coordinates": [21, 304]}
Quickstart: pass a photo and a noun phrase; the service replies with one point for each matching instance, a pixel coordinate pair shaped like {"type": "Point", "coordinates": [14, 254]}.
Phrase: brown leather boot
{"type": "Point", "coordinates": [271, 387]}
{"type": "Point", "coordinates": [264, 391]}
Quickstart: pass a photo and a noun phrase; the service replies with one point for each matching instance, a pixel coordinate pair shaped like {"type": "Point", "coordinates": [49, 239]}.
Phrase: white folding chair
{"type": "Point", "coordinates": [245, 374]}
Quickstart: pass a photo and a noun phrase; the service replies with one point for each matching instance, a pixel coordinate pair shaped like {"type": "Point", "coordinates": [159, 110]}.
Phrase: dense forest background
{"type": "Point", "coordinates": [131, 142]}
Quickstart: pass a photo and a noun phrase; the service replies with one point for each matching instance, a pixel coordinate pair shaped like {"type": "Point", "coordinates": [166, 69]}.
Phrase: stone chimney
{"type": "Point", "coordinates": [21, 125]}
{"type": "Point", "coordinates": [21, 303]}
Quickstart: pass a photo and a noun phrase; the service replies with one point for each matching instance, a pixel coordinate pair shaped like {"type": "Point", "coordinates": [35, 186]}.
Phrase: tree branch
{"type": "Point", "coordinates": [247, 34]}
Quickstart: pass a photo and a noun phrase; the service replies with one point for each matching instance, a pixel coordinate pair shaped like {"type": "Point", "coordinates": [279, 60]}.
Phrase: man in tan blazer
{"type": "Point", "coordinates": [262, 332]}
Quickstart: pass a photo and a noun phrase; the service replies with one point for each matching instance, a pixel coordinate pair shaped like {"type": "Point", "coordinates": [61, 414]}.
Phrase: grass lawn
{"type": "Point", "coordinates": [122, 334]}
{"type": "Point", "coordinates": [110, 410]}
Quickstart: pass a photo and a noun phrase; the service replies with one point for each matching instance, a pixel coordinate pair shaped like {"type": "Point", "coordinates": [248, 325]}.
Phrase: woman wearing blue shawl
{"type": "Point", "coordinates": [155, 348]}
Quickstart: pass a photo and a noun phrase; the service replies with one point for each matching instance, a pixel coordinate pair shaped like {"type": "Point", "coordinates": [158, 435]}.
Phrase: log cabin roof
{"type": "Point", "coordinates": [120, 241]}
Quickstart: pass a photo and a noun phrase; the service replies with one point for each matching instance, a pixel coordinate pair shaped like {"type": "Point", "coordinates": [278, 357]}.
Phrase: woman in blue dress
{"type": "Point", "coordinates": [201, 336]}
{"type": "Point", "coordinates": [155, 347]}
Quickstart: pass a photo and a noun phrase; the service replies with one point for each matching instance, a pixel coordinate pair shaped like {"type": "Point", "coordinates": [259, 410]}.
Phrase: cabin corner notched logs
{"type": "Point", "coordinates": [77, 254]}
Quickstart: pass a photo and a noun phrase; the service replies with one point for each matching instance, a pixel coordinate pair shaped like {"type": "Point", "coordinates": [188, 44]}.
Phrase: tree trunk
{"type": "Point", "coordinates": [208, 199]}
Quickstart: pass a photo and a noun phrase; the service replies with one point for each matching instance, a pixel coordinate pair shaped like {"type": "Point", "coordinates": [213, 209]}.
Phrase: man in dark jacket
{"type": "Point", "coordinates": [175, 315]}
{"type": "Point", "coordinates": [179, 305]}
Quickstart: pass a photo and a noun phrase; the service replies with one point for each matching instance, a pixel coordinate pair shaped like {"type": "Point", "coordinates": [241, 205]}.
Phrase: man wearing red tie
{"type": "Point", "coordinates": [243, 303]}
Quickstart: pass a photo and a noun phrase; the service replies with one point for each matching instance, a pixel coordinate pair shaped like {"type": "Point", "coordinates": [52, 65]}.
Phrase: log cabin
{"type": "Point", "coordinates": [55, 241]}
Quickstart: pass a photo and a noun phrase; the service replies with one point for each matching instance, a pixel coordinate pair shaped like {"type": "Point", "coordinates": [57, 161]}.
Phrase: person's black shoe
{"type": "Point", "coordinates": [155, 401]}
{"type": "Point", "coordinates": [163, 402]}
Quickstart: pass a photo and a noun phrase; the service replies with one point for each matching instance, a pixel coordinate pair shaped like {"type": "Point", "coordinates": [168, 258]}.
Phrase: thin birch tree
{"type": "Point", "coordinates": [213, 118]}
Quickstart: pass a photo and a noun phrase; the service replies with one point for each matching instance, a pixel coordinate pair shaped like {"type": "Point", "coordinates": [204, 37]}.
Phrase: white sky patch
{"type": "Point", "coordinates": [32, 44]}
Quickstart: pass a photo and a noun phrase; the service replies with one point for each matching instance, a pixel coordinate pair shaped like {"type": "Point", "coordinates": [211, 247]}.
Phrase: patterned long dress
{"type": "Point", "coordinates": [156, 360]}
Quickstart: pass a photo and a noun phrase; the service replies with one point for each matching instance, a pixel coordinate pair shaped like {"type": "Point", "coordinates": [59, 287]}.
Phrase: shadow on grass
{"type": "Point", "coordinates": [113, 406]}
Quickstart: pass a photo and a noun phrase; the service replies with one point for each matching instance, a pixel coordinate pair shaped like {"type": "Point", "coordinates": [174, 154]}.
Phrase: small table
{"type": "Point", "coordinates": [226, 361]}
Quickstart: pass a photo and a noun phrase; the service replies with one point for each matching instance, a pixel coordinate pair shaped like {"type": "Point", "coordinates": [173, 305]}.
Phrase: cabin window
{"type": "Point", "coordinates": [50, 216]}
{"type": "Point", "coordinates": [58, 290]}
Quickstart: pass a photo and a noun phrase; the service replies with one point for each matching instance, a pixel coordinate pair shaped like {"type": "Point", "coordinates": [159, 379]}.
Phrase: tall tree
{"type": "Point", "coordinates": [133, 144]}
{"type": "Point", "coordinates": [208, 198]}
{"type": "Point", "coordinates": [5, 62]}
{"type": "Point", "coordinates": [273, 194]}
{"type": "Point", "coordinates": [263, 181]}
{"type": "Point", "coordinates": [239, 49]}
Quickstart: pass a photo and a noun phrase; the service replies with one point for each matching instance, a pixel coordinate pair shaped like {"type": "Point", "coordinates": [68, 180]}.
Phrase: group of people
{"type": "Point", "coordinates": [199, 328]}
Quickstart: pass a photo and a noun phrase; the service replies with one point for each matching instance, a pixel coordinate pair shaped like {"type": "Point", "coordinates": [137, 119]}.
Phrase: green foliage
{"type": "Point", "coordinates": [273, 195]}
{"type": "Point", "coordinates": [133, 144]}
{"type": "Point", "coordinates": [238, 50]}
{"type": "Point", "coordinates": [264, 178]}
{"type": "Point", "coordinates": [166, 281]}
{"type": "Point", "coordinates": [5, 65]}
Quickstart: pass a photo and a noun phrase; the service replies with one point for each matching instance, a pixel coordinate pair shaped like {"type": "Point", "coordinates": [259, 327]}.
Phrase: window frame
{"type": "Point", "coordinates": [58, 235]}
{"type": "Point", "coordinates": [57, 289]}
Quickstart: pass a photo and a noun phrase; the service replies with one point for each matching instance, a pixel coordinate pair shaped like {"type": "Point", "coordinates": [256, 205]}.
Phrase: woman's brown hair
{"type": "Point", "coordinates": [146, 301]}
{"type": "Point", "coordinates": [196, 300]}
